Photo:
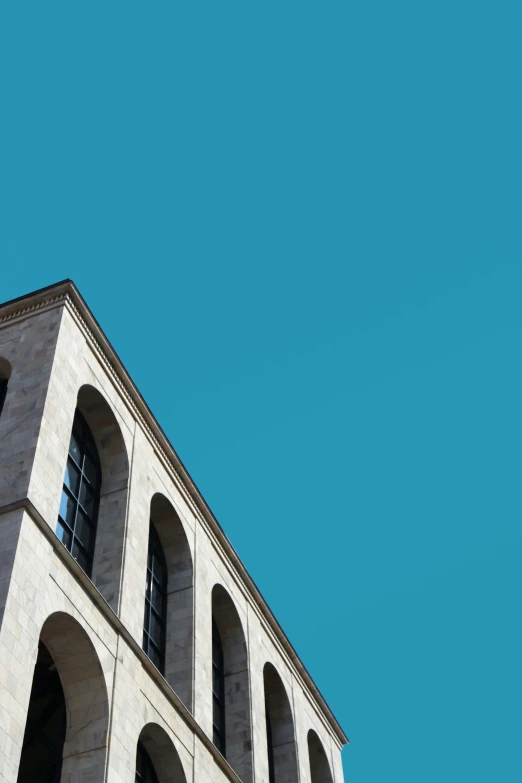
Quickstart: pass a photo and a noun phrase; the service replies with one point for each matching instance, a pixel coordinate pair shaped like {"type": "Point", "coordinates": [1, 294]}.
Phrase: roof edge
{"type": "Point", "coordinates": [67, 288]}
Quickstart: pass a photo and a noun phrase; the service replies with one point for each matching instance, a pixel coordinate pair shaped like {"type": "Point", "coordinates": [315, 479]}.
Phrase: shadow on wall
{"type": "Point", "coordinates": [63, 730]}
{"type": "Point", "coordinates": [157, 759]}
{"type": "Point", "coordinates": [280, 733]}
{"type": "Point", "coordinates": [236, 690]}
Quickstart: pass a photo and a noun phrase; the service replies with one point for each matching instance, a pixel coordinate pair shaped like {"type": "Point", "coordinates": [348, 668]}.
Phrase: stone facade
{"type": "Point", "coordinates": [57, 360]}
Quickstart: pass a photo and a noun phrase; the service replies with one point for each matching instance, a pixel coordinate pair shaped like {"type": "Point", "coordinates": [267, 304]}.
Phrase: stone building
{"type": "Point", "coordinates": [134, 646]}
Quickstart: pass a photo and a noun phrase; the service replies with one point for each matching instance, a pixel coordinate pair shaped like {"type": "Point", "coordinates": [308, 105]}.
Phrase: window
{"type": "Point", "coordinates": [3, 392]}
{"type": "Point", "coordinates": [270, 748]}
{"type": "Point", "coordinates": [145, 772]}
{"type": "Point", "coordinates": [218, 690]}
{"type": "Point", "coordinates": [155, 620]}
{"type": "Point", "coordinates": [44, 736]}
{"type": "Point", "coordinates": [78, 514]}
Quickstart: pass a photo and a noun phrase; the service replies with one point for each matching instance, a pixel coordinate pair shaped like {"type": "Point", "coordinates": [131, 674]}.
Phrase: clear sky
{"type": "Point", "coordinates": [299, 225]}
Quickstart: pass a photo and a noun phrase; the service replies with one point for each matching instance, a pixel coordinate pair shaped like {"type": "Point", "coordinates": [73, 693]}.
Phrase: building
{"type": "Point", "coordinates": [134, 646]}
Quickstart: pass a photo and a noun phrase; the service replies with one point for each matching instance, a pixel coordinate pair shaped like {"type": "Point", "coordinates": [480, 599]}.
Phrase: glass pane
{"type": "Point", "coordinates": [146, 617]}
{"type": "Point", "coordinates": [160, 572]}
{"type": "Point", "coordinates": [219, 723]}
{"type": "Point", "coordinates": [147, 585]}
{"type": "Point", "coordinates": [158, 599]}
{"type": "Point", "coordinates": [75, 449]}
{"type": "Point", "coordinates": [72, 477]}
{"type": "Point", "coordinates": [82, 559]}
{"type": "Point", "coordinates": [155, 658]}
{"type": "Point", "coordinates": [156, 630]}
{"type": "Point", "coordinates": [84, 531]}
{"type": "Point", "coordinates": [87, 499]}
{"type": "Point", "coordinates": [63, 534]}
{"type": "Point", "coordinates": [68, 509]}
{"type": "Point", "coordinates": [91, 471]}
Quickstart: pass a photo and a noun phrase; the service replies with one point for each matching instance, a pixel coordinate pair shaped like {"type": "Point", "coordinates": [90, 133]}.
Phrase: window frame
{"type": "Point", "coordinates": [155, 557]}
{"type": "Point", "coordinates": [218, 691]}
{"type": "Point", "coordinates": [81, 436]}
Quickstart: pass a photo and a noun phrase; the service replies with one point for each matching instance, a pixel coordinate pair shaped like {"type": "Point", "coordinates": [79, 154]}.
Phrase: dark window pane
{"type": "Point", "coordinates": [84, 531]}
{"type": "Point", "coordinates": [155, 657]}
{"type": "Point", "coordinates": [82, 521]}
{"type": "Point", "coordinates": [160, 571]}
{"type": "Point", "coordinates": [156, 630]}
{"type": "Point", "coordinates": [219, 721]}
{"type": "Point", "coordinates": [155, 601]}
{"type": "Point", "coordinates": [80, 556]}
{"type": "Point", "coordinates": [3, 392]}
{"type": "Point", "coordinates": [158, 599]}
{"type": "Point", "coordinates": [72, 477]}
{"type": "Point", "coordinates": [63, 534]}
{"type": "Point", "coordinates": [87, 499]}
{"type": "Point", "coordinates": [75, 449]}
{"type": "Point", "coordinates": [91, 471]}
{"type": "Point", "coordinates": [68, 509]}
{"type": "Point", "coordinates": [146, 619]}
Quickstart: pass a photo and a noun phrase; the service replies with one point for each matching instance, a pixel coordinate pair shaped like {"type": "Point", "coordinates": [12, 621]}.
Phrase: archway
{"type": "Point", "coordinates": [157, 760]}
{"type": "Point", "coordinates": [232, 729]}
{"type": "Point", "coordinates": [179, 597]}
{"type": "Point", "coordinates": [111, 495]}
{"type": "Point", "coordinates": [319, 766]}
{"type": "Point", "coordinates": [68, 709]}
{"type": "Point", "coordinates": [282, 757]}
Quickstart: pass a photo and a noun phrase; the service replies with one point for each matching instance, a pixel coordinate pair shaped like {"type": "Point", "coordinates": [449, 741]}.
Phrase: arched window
{"type": "Point", "coordinates": [270, 748]}
{"type": "Point", "coordinates": [80, 501]}
{"type": "Point", "coordinates": [155, 620]}
{"type": "Point", "coordinates": [145, 772]}
{"type": "Point", "coordinates": [231, 715]}
{"type": "Point", "coordinates": [218, 691]}
{"type": "Point", "coordinates": [5, 373]}
{"type": "Point", "coordinates": [280, 735]}
{"type": "Point", "coordinates": [68, 711]}
{"type": "Point", "coordinates": [319, 765]}
{"type": "Point", "coordinates": [44, 738]}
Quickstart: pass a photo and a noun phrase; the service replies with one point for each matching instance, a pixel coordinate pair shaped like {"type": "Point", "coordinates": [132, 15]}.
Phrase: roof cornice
{"type": "Point", "coordinates": [65, 293]}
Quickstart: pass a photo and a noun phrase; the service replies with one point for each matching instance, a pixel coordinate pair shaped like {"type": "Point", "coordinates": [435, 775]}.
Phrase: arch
{"type": "Point", "coordinates": [5, 374]}
{"type": "Point", "coordinates": [162, 754]}
{"type": "Point", "coordinates": [236, 685]}
{"type": "Point", "coordinates": [180, 597]}
{"type": "Point", "coordinates": [281, 748]}
{"type": "Point", "coordinates": [320, 771]}
{"type": "Point", "coordinates": [66, 649]}
{"type": "Point", "coordinates": [114, 469]}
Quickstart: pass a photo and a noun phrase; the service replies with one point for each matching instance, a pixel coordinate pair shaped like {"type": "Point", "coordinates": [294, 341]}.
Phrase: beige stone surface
{"type": "Point", "coordinates": [93, 628]}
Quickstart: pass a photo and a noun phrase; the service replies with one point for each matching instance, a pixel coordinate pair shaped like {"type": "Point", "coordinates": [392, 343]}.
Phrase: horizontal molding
{"type": "Point", "coordinates": [65, 294]}
{"type": "Point", "coordinates": [114, 621]}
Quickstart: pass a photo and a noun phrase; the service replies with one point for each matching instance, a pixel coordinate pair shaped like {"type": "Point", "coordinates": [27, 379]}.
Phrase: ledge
{"type": "Point", "coordinates": [66, 292]}
{"type": "Point", "coordinates": [112, 618]}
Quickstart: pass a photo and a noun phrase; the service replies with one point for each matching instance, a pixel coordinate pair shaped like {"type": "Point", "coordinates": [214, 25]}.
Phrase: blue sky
{"type": "Point", "coordinates": [299, 225]}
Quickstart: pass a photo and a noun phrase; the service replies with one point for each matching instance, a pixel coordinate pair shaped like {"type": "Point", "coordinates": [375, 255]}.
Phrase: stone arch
{"type": "Point", "coordinates": [238, 730]}
{"type": "Point", "coordinates": [282, 755]}
{"type": "Point", "coordinates": [320, 771]}
{"type": "Point", "coordinates": [69, 649]}
{"type": "Point", "coordinates": [108, 551]}
{"type": "Point", "coordinates": [180, 597]}
{"type": "Point", "coordinates": [163, 754]}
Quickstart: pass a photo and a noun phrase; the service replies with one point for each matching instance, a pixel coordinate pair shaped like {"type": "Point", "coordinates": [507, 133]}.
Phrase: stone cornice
{"type": "Point", "coordinates": [66, 294]}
